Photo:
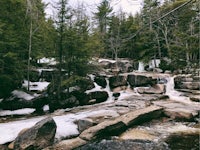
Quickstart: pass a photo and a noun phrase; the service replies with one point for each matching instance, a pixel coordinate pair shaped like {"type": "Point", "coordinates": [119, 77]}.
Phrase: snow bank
{"type": "Point", "coordinates": [50, 61]}
{"type": "Point", "coordinates": [108, 60]}
{"type": "Point", "coordinates": [23, 95]}
{"type": "Point", "coordinates": [24, 111]}
{"type": "Point", "coordinates": [65, 125]}
{"type": "Point", "coordinates": [36, 86]}
{"type": "Point", "coordinates": [9, 131]}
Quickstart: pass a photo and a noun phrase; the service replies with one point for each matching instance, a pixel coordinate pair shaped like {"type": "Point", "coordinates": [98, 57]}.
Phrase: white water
{"type": "Point", "coordinates": [99, 88]}
{"type": "Point", "coordinates": [154, 63]}
{"type": "Point", "coordinates": [141, 67]}
{"type": "Point", "coordinates": [108, 90]}
{"type": "Point", "coordinates": [175, 95]}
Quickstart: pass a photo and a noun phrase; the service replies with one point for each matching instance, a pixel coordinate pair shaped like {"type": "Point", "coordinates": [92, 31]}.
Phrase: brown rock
{"type": "Point", "coordinates": [11, 145]}
{"type": "Point", "coordinates": [137, 134]}
{"type": "Point", "coordinates": [68, 144]}
{"type": "Point", "coordinates": [110, 127]}
{"type": "Point", "coordinates": [39, 136]}
{"type": "Point", "coordinates": [84, 123]}
{"type": "Point", "coordinates": [141, 115]}
{"type": "Point", "coordinates": [179, 114]}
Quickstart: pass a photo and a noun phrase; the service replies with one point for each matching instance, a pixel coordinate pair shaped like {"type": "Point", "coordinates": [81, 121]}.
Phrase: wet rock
{"type": "Point", "coordinates": [168, 72]}
{"type": "Point", "coordinates": [183, 141]}
{"type": "Point", "coordinates": [100, 80]}
{"type": "Point", "coordinates": [138, 134]}
{"type": "Point", "coordinates": [158, 70]}
{"type": "Point", "coordinates": [116, 81]}
{"type": "Point", "coordinates": [39, 136]}
{"type": "Point", "coordinates": [156, 89]}
{"type": "Point", "coordinates": [121, 65]}
{"type": "Point", "coordinates": [140, 80]}
{"type": "Point", "coordinates": [81, 97]}
{"type": "Point", "coordinates": [186, 82]}
{"type": "Point", "coordinates": [84, 124]}
{"type": "Point", "coordinates": [124, 145]}
{"type": "Point", "coordinates": [189, 85]}
{"type": "Point", "coordinates": [99, 96]}
{"type": "Point", "coordinates": [179, 114]}
{"type": "Point", "coordinates": [141, 115]}
{"type": "Point", "coordinates": [106, 128]}
{"type": "Point", "coordinates": [116, 126]}
{"type": "Point", "coordinates": [67, 144]}
{"type": "Point", "coordinates": [116, 95]}
{"type": "Point", "coordinates": [195, 98]}
{"type": "Point", "coordinates": [65, 102]}
{"type": "Point", "coordinates": [179, 110]}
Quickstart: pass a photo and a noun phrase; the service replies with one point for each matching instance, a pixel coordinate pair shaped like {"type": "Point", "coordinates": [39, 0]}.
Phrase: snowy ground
{"type": "Point", "coordinates": [65, 125]}
{"type": "Point", "coordinates": [36, 86]}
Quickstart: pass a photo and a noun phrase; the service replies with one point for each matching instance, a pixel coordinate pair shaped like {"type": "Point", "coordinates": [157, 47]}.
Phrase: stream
{"type": "Point", "coordinates": [174, 135]}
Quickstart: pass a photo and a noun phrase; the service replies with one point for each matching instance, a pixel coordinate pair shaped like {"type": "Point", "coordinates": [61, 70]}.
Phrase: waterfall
{"type": "Point", "coordinates": [108, 90]}
{"type": "Point", "coordinates": [141, 67]}
{"type": "Point", "coordinates": [99, 88]}
{"type": "Point", "coordinates": [173, 94]}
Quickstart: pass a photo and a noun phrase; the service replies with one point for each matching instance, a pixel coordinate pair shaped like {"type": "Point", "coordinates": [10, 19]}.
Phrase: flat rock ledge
{"type": "Point", "coordinates": [110, 127]}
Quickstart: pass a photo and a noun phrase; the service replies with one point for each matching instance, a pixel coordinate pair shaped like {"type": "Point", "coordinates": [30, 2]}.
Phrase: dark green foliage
{"type": "Point", "coordinates": [11, 75]}
{"type": "Point", "coordinates": [6, 85]}
{"type": "Point", "coordinates": [82, 82]}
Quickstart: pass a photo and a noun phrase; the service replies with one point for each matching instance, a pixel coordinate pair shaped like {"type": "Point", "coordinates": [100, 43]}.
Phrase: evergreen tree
{"type": "Point", "coordinates": [103, 17]}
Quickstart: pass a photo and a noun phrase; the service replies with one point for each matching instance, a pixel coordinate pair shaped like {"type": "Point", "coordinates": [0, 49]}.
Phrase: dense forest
{"type": "Point", "coordinates": [168, 31]}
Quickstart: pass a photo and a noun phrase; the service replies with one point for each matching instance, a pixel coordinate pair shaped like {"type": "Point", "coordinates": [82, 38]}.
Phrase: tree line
{"type": "Point", "coordinates": [27, 35]}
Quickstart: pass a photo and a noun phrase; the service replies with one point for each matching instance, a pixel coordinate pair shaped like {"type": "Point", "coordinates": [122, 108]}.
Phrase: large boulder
{"type": "Point", "coordinates": [20, 99]}
{"type": "Point", "coordinates": [121, 65]}
{"type": "Point", "coordinates": [68, 144]}
{"type": "Point", "coordinates": [84, 124]}
{"type": "Point", "coordinates": [140, 80]}
{"type": "Point", "coordinates": [156, 89]}
{"type": "Point", "coordinates": [98, 96]}
{"type": "Point", "coordinates": [116, 81]}
{"type": "Point", "coordinates": [100, 80]}
{"type": "Point", "coordinates": [17, 100]}
{"type": "Point", "coordinates": [64, 102]}
{"type": "Point", "coordinates": [186, 82]}
{"type": "Point", "coordinates": [124, 66]}
{"type": "Point", "coordinates": [38, 137]}
{"type": "Point", "coordinates": [124, 145]}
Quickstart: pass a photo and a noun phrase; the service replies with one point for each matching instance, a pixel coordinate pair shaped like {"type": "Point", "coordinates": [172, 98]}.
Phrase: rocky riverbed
{"type": "Point", "coordinates": [142, 111]}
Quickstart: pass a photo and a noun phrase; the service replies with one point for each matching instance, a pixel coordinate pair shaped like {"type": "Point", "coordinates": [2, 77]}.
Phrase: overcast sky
{"type": "Point", "coordinates": [128, 6]}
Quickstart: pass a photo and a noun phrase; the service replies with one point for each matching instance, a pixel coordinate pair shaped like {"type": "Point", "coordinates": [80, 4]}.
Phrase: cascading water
{"type": "Point", "coordinates": [173, 94]}
{"type": "Point", "coordinates": [141, 67]}
{"type": "Point", "coordinates": [99, 88]}
{"type": "Point", "coordinates": [108, 90]}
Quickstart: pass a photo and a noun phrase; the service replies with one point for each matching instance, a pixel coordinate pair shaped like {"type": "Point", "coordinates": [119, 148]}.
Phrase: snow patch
{"type": "Point", "coordinates": [65, 125]}
{"type": "Point", "coordinates": [23, 95]}
{"type": "Point", "coordinates": [107, 60]}
{"type": "Point", "coordinates": [36, 86]}
{"type": "Point", "coordinates": [50, 61]}
{"type": "Point", "coordinates": [46, 108]}
{"type": "Point", "coordinates": [24, 111]}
